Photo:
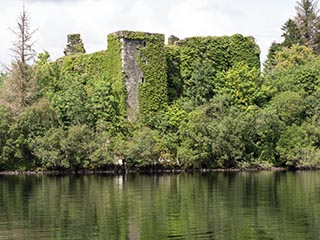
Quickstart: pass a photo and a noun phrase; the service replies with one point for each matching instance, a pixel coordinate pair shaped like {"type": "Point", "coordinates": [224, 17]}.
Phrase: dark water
{"type": "Point", "coordinates": [265, 205]}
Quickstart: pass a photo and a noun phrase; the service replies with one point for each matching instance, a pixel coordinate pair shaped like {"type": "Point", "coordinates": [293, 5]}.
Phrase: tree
{"type": "Point", "coordinates": [289, 107]}
{"type": "Point", "coordinates": [19, 88]}
{"type": "Point", "coordinates": [242, 83]}
{"type": "Point", "coordinates": [293, 57]}
{"type": "Point", "coordinates": [297, 146]}
{"type": "Point", "coordinates": [141, 150]}
{"type": "Point", "coordinates": [64, 149]}
{"type": "Point", "coordinates": [291, 34]}
{"type": "Point", "coordinates": [5, 123]}
{"type": "Point", "coordinates": [271, 62]}
{"type": "Point", "coordinates": [200, 87]}
{"type": "Point", "coordinates": [35, 121]}
{"type": "Point", "coordinates": [317, 38]}
{"type": "Point", "coordinates": [302, 30]}
{"type": "Point", "coordinates": [307, 20]}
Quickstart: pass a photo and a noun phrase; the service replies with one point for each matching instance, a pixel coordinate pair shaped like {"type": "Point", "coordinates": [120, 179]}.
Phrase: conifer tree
{"type": "Point", "coordinates": [291, 34]}
{"type": "Point", "coordinates": [19, 87]}
{"type": "Point", "coordinates": [307, 20]}
{"type": "Point", "coordinates": [271, 62]}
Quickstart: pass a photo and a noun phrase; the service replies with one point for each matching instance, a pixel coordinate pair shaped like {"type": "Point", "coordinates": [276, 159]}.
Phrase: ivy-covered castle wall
{"type": "Point", "coordinates": [220, 53]}
{"type": "Point", "coordinates": [143, 68]}
{"type": "Point", "coordinates": [145, 74]}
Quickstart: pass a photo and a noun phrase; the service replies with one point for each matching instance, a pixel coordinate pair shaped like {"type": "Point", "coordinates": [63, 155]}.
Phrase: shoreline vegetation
{"type": "Point", "coordinates": [195, 103]}
{"type": "Point", "coordinates": [121, 171]}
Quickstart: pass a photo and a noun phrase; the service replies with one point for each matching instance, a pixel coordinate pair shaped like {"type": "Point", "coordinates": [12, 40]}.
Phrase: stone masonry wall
{"type": "Point", "coordinates": [133, 75]}
{"type": "Point", "coordinates": [144, 73]}
{"type": "Point", "coordinates": [74, 45]}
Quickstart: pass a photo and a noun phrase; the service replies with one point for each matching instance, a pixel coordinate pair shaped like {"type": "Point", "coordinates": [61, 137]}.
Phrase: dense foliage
{"type": "Point", "coordinates": [212, 109]}
{"type": "Point", "coordinates": [235, 118]}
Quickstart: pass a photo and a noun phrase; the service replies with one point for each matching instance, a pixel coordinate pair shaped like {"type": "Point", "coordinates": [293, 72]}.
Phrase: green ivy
{"type": "Point", "coordinates": [114, 70]}
{"type": "Point", "coordinates": [175, 83]}
{"type": "Point", "coordinates": [91, 65]}
{"type": "Point", "coordinates": [153, 92]}
{"type": "Point", "coordinates": [244, 49]}
{"type": "Point", "coordinates": [221, 53]}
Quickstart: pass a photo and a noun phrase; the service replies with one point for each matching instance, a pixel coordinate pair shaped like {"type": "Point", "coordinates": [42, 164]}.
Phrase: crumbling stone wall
{"type": "Point", "coordinates": [133, 74]}
{"type": "Point", "coordinates": [74, 45]}
{"type": "Point", "coordinates": [172, 40]}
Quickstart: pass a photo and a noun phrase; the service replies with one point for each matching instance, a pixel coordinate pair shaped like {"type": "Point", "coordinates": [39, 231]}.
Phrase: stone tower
{"type": "Point", "coordinates": [137, 61]}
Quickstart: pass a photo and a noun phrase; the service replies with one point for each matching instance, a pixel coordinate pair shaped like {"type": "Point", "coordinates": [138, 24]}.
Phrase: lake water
{"type": "Point", "coordinates": [244, 205]}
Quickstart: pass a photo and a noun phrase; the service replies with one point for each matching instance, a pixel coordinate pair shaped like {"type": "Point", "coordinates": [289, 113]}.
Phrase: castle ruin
{"type": "Point", "coordinates": [143, 70]}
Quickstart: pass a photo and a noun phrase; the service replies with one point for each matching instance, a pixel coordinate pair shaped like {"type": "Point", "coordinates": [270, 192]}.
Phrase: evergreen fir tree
{"type": "Point", "coordinates": [19, 87]}
{"type": "Point", "coordinates": [291, 34]}
{"type": "Point", "coordinates": [307, 20]}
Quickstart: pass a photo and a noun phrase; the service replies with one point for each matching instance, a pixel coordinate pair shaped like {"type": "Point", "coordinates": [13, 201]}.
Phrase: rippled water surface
{"type": "Point", "coordinates": [264, 205]}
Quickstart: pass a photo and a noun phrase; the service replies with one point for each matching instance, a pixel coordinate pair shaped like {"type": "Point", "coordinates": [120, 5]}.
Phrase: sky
{"type": "Point", "coordinates": [95, 19]}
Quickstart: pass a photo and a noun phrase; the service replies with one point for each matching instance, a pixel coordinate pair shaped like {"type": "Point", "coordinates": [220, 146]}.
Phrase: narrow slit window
{"type": "Point", "coordinates": [142, 80]}
{"type": "Point", "coordinates": [144, 43]}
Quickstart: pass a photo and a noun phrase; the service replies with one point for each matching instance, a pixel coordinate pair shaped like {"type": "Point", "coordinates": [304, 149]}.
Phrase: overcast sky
{"type": "Point", "coordinates": [94, 19]}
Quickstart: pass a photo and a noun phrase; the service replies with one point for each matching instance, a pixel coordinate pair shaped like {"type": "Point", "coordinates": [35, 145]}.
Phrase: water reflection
{"type": "Point", "coordinates": [265, 205]}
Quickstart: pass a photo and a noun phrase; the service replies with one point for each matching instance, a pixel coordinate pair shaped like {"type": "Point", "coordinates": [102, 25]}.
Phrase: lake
{"type": "Point", "coordinates": [219, 205]}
